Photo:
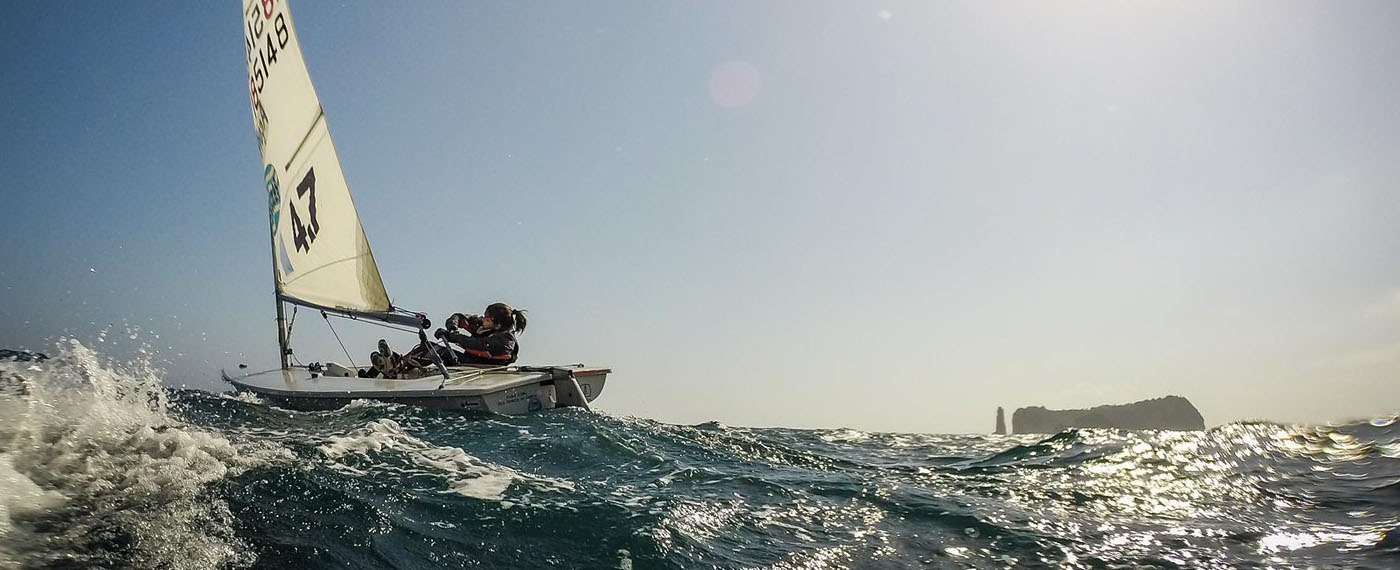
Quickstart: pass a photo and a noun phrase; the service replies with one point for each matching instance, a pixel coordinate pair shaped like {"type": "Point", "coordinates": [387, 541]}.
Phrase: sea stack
{"type": "Point", "coordinates": [1170, 413]}
{"type": "Point", "coordinates": [1001, 421]}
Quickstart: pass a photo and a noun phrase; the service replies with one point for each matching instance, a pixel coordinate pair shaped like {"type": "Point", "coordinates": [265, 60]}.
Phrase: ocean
{"type": "Point", "coordinates": [103, 467]}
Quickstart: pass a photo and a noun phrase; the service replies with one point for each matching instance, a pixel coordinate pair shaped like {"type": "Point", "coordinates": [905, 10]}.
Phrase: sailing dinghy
{"type": "Point", "coordinates": [322, 260]}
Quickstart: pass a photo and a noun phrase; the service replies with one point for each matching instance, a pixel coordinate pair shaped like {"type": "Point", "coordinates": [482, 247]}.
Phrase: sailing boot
{"type": "Point", "coordinates": [384, 360]}
{"type": "Point", "coordinates": [373, 370]}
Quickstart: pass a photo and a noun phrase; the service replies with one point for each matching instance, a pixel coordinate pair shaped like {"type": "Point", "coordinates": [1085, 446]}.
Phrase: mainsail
{"type": "Point", "coordinates": [321, 256]}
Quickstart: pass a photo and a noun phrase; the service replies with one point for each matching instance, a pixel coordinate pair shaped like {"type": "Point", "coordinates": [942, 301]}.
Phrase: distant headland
{"type": "Point", "coordinates": [21, 355]}
{"type": "Point", "coordinates": [1171, 413]}
{"type": "Point", "coordinates": [12, 384]}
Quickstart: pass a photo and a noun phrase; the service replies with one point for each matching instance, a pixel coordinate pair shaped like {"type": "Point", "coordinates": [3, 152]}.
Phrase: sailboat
{"type": "Point", "coordinates": [321, 258]}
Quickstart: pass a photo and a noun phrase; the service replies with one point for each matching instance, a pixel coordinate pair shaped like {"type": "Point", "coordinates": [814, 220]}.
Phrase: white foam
{"type": "Point", "coordinates": [19, 496]}
{"type": "Point", "coordinates": [845, 435]}
{"type": "Point", "coordinates": [247, 397]}
{"type": "Point", "coordinates": [360, 404]}
{"type": "Point", "coordinates": [95, 434]}
{"type": "Point", "coordinates": [465, 474]}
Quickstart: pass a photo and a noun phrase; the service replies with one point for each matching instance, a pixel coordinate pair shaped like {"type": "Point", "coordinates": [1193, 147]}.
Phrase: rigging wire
{"type": "Point", "coordinates": [337, 339]}
{"type": "Point", "coordinates": [292, 322]}
{"type": "Point", "coordinates": [327, 316]}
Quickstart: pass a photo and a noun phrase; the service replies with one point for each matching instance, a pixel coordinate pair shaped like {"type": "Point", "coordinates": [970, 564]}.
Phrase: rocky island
{"type": "Point", "coordinates": [12, 384]}
{"type": "Point", "coordinates": [1171, 412]}
{"type": "Point", "coordinates": [22, 355]}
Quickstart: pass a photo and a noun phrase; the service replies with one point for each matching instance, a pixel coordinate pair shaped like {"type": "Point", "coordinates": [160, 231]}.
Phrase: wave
{"type": "Point", "coordinates": [94, 471]}
{"type": "Point", "coordinates": [104, 468]}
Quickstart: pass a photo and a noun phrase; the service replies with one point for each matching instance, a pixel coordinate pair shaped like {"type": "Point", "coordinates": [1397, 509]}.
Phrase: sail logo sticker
{"type": "Point", "coordinates": [274, 214]}
{"type": "Point", "coordinates": [274, 196]}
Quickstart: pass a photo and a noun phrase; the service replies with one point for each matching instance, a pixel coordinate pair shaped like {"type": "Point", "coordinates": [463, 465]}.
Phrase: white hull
{"type": "Point", "coordinates": [510, 391]}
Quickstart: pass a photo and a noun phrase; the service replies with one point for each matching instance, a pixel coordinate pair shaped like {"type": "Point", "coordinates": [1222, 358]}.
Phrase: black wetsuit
{"type": "Point", "coordinates": [490, 347]}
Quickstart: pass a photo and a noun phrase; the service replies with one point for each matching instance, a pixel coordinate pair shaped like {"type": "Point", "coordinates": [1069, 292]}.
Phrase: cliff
{"type": "Point", "coordinates": [1171, 412]}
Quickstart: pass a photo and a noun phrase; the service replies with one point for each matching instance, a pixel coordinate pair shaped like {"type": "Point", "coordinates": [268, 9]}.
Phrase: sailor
{"type": "Point", "coordinates": [488, 339]}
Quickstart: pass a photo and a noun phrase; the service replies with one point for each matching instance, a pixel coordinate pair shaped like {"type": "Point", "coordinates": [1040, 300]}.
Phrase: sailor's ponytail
{"type": "Point", "coordinates": [506, 318]}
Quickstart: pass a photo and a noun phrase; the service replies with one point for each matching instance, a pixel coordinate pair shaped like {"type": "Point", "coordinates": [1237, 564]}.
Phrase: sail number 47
{"type": "Point", "coordinates": [302, 234]}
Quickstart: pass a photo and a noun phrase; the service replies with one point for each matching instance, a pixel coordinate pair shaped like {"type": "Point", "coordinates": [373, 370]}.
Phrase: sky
{"type": "Point", "coordinates": [886, 216]}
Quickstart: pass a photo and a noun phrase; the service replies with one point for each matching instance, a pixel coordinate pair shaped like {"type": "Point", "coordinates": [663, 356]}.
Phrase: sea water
{"type": "Point", "coordinates": [103, 467]}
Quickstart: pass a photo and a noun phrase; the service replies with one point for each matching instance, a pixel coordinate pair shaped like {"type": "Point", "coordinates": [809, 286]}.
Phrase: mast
{"type": "Point", "coordinates": [282, 348]}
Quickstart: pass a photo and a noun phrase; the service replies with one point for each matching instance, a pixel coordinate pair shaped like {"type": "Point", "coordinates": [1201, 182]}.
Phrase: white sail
{"type": "Point", "coordinates": [322, 257]}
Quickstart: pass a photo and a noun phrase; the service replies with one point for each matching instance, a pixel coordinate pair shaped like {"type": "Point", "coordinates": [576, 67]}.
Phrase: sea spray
{"type": "Point", "coordinates": [95, 472]}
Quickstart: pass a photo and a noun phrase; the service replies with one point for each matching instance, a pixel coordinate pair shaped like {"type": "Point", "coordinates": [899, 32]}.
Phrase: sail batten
{"type": "Point", "coordinates": [321, 255]}
{"type": "Point", "coordinates": [320, 119]}
{"type": "Point", "coordinates": [326, 266]}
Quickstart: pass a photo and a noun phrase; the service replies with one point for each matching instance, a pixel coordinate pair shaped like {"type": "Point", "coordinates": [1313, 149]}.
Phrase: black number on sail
{"type": "Point", "coordinates": [303, 236]}
{"type": "Point", "coordinates": [280, 27]}
{"type": "Point", "coordinates": [308, 186]}
{"type": "Point", "coordinates": [298, 230]}
{"type": "Point", "coordinates": [271, 51]}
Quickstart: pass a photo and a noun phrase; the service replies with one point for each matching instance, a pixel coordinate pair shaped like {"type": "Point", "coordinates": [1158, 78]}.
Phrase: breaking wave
{"type": "Point", "coordinates": [95, 471]}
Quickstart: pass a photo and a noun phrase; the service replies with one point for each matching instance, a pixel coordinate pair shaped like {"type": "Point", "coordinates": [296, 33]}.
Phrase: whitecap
{"type": "Point", "coordinates": [465, 474]}
{"type": "Point", "coordinates": [88, 444]}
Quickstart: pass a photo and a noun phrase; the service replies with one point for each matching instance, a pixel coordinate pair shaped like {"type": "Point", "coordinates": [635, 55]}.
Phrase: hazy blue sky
{"type": "Point", "coordinates": [888, 216]}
